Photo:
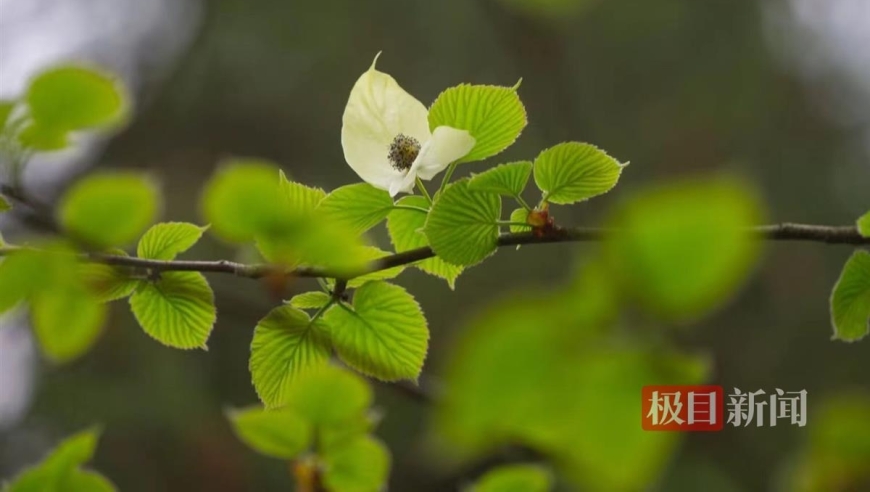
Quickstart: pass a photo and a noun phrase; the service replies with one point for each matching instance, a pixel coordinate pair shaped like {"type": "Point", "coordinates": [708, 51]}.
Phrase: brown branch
{"type": "Point", "coordinates": [777, 232]}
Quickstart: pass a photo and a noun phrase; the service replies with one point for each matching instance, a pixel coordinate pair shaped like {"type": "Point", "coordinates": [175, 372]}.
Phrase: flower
{"type": "Point", "coordinates": [386, 139]}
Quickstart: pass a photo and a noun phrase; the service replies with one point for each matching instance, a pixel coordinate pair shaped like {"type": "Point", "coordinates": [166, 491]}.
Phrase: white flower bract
{"type": "Point", "coordinates": [384, 127]}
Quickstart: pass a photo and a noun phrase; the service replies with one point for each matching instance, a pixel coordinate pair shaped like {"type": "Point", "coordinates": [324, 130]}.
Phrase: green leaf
{"type": "Point", "coordinates": [310, 300]}
{"type": "Point", "coordinates": [520, 215]}
{"type": "Point", "coordinates": [6, 107]}
{"type": "Point", "coordinates": [106, 282]}
{"type": "Point", "coordinates": [276, 433]}
{"type": "Point", "coordinates": [462, 227]}
{"type": "Point", "coordinates": [67, 321]}
{"type": "Point", "coordinates": [177, 310]}
{"type": "Point", "coordinates": [385, 334]}
{"type": "Point", "coordinates": [505, 179]}
{"type": "Point", "coordinates": [330, 397]}
{"type": "Point", "coordinates": [25, 273]}
{"type": "Point", "coordinates": [286, 345]}
{"type": "Point", "coordinates": [406, 233]}
{"type": "Point", "coordinates": [571, 172]}
{"type": "Point", "coordinates": [358, 207]}
{"type": "Point", "coordinates": [71, 97]}
{"type": "Point", "coordinates": [515, 478]}
{"type": "Point", "coordinates": [109, 208]}
{"type": "Point", "coordinates": [698, 228]}
{"type": "Point", "coordinates": [493, 115]}
{"type": "Point", "coordinates": [241, 198]}
{"type": "Point", "coordinates": [298, 198]}
{"type": "Point", "coordinates": [59, 471]}
{"type": "Point", "coordinates": [362, 465]}
{"type": "Point", "coordinates": [5, 206]}
{"type": "Point", "coordinates": [166, 240]}
{"type": "Point", "coordinates": [864, 225]}
{"type": "Point", "coordinates": [43, 138]}
{"type": "Point", "coordinates": [850, 301]}
{"type": "Point", "coordinates": [371, 254]}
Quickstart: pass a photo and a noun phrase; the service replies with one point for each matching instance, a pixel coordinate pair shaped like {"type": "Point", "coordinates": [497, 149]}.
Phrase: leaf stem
{"type": "Point", "coordinates": [522, 203]}
{"type": "Point", "coordinates": [410, 207]}
{"type": "Point", "coordinates": [423, 191]}
{"type": "Point", "coordinates": [446, 179]}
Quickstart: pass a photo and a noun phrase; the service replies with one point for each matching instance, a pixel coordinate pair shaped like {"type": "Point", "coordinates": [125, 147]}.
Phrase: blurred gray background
{"type": "Point", "coordinates": [776, 90]}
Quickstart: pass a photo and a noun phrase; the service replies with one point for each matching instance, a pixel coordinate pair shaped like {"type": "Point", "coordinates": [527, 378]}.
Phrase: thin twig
{"type": "Point", "coordinates": [776, 232]}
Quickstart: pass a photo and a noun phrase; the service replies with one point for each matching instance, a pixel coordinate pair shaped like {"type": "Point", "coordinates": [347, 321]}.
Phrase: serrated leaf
{"type": "Point", "coordinates": [330, 397]}
{"type": "Point", "coordinates": [67, 321]}
{"type": "Point", "coordinates": [276, 433]}
{"type": "Point", "coordinates": [515, 478]}
{"type": "Point", "coordinates": [850, 301]}
{"type": "Point", "coordinates": [493, 115]}
{"type": "Point", "coordinates": [406, 233]}
{"type": "Point", "coordinates": [359, 207]}
{"type": "Point", "coordinates": [5, 206]}
{"type": "Point", "coordinates": [177, 310]}
{"type": "Point", "coordinates": [571, 172]}
{"type": "Point", "coordinates": [520, 216]}
{"type": "Point", "coordinates": [362, 465]}
{"type": "Point", "coordinates": [310, 300]}
{"type": "Point", "coordinates": [167, 240]}
{"type": "Point", "coordinates": [286, 345]}
{"type": "Point", "coordinates": [106, 282]}
{"type": "Point", "coordinates": [462, 226]}
{"type": "Point", "coordinates": [864, 225]}
{"type": "Point", "coordinates": [505, 179]}
{"type": "Point", "coordinates": [371, 254]}
{"type": "Point", "coordinates": [299, 199]}
{"type": "Point", "coordinates": [74, 97]}
{"type": "Point", "coordinates": [384, 335]}
{"type": "Point", "coordinates": [695, 227]}
{"type": "Point", "coordinates": [109, 208]}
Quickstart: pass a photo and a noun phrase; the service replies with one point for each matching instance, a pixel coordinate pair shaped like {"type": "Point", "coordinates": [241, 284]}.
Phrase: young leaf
{"type": "Point", "coordinates": [60, 471]}
{"type": "Point", "coordinates": [329, 397]}
{"type": "Point", "coordinates": [177, 310]}
{"type": "Point", "coordinates": [43, 138]}
{"type": "Point", "coordinates": [515, 478]}
{"type": "Point", "coordinates": [166, 240]}
{"type": "Point", "coordinates": [850, 301]}
{"type": "Point", "coordinates": [286, 345]}
{"type": "Point", "coordinates": [462, 226]}
{"type": "Point", "coordinates": [67, 321]}
{"type": "Point", "coordinates": [109, 208]}
{"type": "Point", "coordinates": [106, 282]}
{"type": "Point", "coordinates": [406, 233]}
{"type": "Point", "coordinates": [299, 199]}
{"type": "Point", "coordinates": [864, 225]}
{"type": "Point", "coordinates": [520, 216]}
{"type": "Point", "coordinates": [362, 465]}
{"type": "Point", "coordinates": [241, 199]}
{"type": "Point", "coordinates": [493, 115]}
{"type": "Point", "coordinates": [372, 253]}
{"type": "Point", "coordinates": [310, 300]}
{"type": "Point", "coordinates": [72, 97]}
{"type": "Point", "coordinates": [359, 207]}
{"type": "Point", "coordinates": [385, 334]}
{"type": "Point", "coordinates": [571, 172]}
{"type": "Point", "coordinates": [698, 228]}
{"type": "Point", "coordinates": [505, 179]}
{"type": "Point", "coordinates": [276, 433]}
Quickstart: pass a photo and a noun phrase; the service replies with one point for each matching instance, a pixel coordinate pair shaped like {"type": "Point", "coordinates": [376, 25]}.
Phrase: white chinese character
{"type": "Point", "coordinates": [744, 408]}
{"type": "Point", "coordinates": [700, 405]}
{"type": "Point", "coordinates": [789, 407]}
{"type": "Point", "coordinates": [665, 408]}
